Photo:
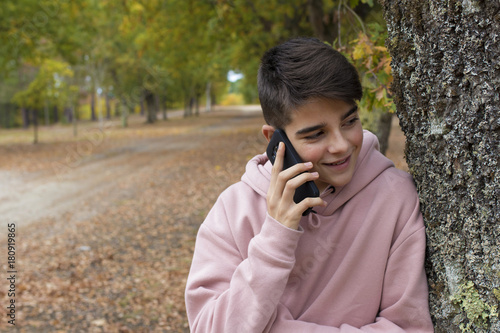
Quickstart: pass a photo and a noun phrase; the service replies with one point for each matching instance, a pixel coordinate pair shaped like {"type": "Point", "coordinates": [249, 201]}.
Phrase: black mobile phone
{"type": "Point", "coordinates": [308, 189]}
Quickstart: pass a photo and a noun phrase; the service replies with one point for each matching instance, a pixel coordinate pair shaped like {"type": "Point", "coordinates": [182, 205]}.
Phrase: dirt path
{"type": "Point", "coordinates": [27, 197]}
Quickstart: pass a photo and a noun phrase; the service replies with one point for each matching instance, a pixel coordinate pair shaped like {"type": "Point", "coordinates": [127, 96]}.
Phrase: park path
{"type": "Point", "coordinates": [27, 197]}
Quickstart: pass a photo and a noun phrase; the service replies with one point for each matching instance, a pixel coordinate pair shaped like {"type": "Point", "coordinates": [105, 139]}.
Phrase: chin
{"type": "Point", "coordinates": [340, 183]}
{"type": "Point", "coordinates": [324, 184]}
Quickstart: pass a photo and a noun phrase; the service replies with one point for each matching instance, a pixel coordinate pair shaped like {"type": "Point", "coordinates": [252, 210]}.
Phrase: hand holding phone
{"type": "Point", "coordinates": [291, 158]}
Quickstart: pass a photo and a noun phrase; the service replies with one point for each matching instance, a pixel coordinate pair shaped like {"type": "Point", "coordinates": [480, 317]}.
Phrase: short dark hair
{"type": "Point", "coordinates": [300, 69]}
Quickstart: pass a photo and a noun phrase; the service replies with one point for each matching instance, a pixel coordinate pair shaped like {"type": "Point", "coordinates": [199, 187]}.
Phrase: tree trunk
{"type": "Point", "coordinates": [74, 111]}
{"type": "Point", "coordinates": [384, 130]}
{"type": "Point", "coordinates": [26, 117]}
{"type": "Point", "coordinates": [151, 108]}
{"type": "Point", "coordinates": [315, 11]}
{"type": "Point", "coordinates": [188, 107]}
{"type": "Point", "coordinates": [68, 114]}
{"type": "Point", "coordinates": [325, 24]}
{"type": "Point", "coordinates": [93, 116]}
{"type": "Point", "coordinates": [46, 114]}
{"type": "Point", "coordinates": [56, 114]}
{"type": "Point", "coordinates": [197, 105]}
{"type": "Point", "coordinates": [124, 112]}
{"type": "Point", "coordinates": [108, 106]}
{"type": "Point", "coordinates": [447, 91]}
{"type": "Point", "coordinates": [164, 107]}
{"type": "Point", "coordinates": [34, 114]}
{"type": "Point", "coordinates": [157, 105]}
{"type": "Point", "coordinates": [117, 108]}
{"type": "Point", "coordinates": [208, 94]}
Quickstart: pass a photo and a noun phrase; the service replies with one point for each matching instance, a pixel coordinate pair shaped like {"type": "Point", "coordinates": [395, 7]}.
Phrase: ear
{"type": "Point", "coordinates": [268, 131]}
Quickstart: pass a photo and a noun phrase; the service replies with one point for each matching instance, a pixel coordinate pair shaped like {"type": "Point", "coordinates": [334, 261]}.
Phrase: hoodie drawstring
{"type": "Point", "coordinates": [313, 221]}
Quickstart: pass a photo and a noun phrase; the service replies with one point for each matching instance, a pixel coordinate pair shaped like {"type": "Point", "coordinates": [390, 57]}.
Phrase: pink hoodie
{"type": "Point", "coordinates": [355, 266]}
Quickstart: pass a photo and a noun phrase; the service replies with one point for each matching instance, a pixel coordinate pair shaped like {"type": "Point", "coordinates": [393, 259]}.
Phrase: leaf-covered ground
{"type": "Point", "coordinates": [109, 245]}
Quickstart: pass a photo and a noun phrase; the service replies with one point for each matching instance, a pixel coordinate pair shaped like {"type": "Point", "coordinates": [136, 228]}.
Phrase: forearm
{"type": "Point", "coordinates": [226, 293]}
{"type": "Point", "coordinates": [284, 323]}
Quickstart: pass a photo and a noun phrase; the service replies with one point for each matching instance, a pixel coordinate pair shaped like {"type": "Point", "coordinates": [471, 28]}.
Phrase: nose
{"type": "Point", "coordinates": [338, 144]}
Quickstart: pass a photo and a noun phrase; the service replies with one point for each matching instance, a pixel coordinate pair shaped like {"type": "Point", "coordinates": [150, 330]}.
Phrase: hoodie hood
{"type": "Point", "coordinates": [370, 164]}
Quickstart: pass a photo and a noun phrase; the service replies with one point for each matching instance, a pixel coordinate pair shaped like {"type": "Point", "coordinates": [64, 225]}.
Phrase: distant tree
{"type": "Point", "coordinates": [50, 87]}
{"type": "Point", "coordinates": [445, 60]}
{"type": "Point", "coordinates": [330, 20]}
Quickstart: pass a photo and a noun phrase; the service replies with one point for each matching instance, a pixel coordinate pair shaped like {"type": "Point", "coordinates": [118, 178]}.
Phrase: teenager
{"type": "Point", "coordinates": [354, 265]}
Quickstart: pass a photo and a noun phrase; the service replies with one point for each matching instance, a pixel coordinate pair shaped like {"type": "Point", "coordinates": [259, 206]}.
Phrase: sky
{"type": "Point", "coordinates": [234, 76]}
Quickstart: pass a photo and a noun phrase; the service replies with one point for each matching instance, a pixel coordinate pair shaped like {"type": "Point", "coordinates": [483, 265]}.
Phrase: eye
{"type": "Point", "coordinates": [352, 121]}
{"type": "Point", "coordinates": [314, 135]}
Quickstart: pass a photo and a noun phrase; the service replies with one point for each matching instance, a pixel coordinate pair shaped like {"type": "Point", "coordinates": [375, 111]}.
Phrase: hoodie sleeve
{"type": "Point", "coordinates": [230, 289]}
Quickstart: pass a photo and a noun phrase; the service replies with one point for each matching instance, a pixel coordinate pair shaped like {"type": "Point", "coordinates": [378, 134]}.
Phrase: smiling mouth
{"type": "Point", "coordinates": [339, 162]}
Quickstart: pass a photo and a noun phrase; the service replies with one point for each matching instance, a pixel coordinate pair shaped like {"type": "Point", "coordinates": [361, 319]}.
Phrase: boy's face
{"type": "Point", "coordinates": [327, 133]}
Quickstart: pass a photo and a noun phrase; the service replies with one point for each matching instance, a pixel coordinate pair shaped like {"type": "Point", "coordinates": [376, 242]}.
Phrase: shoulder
{"type": "Point", "coordinates": [398, 185]}
{"type": "Point", "coordinates": [238, 213]}
{"type": "Point", "coordinates": [393, 195]}
{"type": "Point", "coordinates": [240, 195]}
{"type": "Point", "coordinates": [401, 197]}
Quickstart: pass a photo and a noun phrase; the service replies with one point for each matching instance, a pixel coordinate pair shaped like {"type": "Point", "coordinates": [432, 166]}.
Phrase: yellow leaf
{"type": "Point", "coordinates": [380, 94]}
{"type": "Point", "coordinates": [136, 8]}
{"type": "Point", "coordinates": [359, 52]}
{"type": "Point", "coordinates": [387, 67]}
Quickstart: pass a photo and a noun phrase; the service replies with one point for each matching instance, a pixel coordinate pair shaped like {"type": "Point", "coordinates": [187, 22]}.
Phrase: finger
{"type": "Point", "coordinates": [280, 157]}
{"type": "Point", "coordinates": [290, 179]}
{"type": "Point", "coordinates": [277, 167]}
{"type": "Point", "coordinates": [300, 179]}
{"type": "Point", "coordinates": [295, 170]}
{"type": "Point", "coordinates": [275, 189]}
{"type": "Point", "coordinates": [291, 217]}
{"type": "Point", "coordinates": [309, 202]}
{"type": "Point", "coordinates": [293, 184]}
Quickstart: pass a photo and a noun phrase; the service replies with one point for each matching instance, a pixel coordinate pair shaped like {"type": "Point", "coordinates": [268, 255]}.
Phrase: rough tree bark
{"type": "Point", "coordinates": [446, 64]}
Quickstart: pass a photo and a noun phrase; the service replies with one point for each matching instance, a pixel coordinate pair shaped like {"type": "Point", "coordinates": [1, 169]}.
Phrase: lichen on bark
{"type": "Point", "coordinates": [446, 67]}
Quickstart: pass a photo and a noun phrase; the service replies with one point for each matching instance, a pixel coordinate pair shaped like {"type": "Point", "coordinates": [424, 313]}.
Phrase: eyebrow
{"type": "Point", "coordinates": [354, 109]}
{"type": "Point", "coordinates": [305, 130]}
{"type": "Point", "coordinates": [310, 129]}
